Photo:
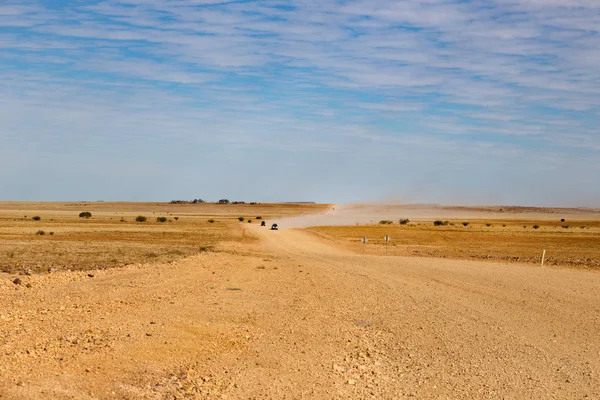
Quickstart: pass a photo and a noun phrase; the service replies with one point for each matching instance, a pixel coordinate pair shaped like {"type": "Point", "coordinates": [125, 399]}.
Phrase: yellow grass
{"type": "Point", "coordinates": [508, 240]}
{"type": "Point", "coordinates": [112, 237]}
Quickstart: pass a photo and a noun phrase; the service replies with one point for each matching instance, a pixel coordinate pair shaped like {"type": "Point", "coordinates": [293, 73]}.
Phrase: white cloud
{"type": "Point", "coordinates": [300, 75]}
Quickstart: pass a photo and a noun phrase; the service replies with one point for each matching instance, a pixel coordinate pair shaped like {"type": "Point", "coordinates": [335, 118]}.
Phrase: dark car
{"type": "Point", "coordinates": [263, 223]}
{"type": "Point", "coordinates": [274, 227]}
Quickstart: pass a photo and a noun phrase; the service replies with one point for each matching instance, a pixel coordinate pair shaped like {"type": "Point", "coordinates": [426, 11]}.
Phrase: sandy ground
{"type": "Point", "coordinates": [291, 317]}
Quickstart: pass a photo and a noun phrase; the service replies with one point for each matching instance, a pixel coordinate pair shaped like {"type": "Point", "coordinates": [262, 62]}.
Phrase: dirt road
{"type": "Point", "coordinates": [293, 317]}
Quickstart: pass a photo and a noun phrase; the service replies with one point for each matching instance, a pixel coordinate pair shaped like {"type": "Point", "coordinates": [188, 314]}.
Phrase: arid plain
{"type": "Point", "coordinates": [207, 305]}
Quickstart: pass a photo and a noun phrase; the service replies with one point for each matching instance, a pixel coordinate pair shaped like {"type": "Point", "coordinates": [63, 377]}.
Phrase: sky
{"type": "Point", "coordinates": [431, 101]}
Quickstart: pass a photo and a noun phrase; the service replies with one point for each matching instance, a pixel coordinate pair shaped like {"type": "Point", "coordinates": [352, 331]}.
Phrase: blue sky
{"type": "Point", "coordinates": [444, 101]}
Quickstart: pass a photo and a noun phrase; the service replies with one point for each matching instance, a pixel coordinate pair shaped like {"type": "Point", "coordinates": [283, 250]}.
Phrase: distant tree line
{"type": "Point", "coordinates": [197, 201]}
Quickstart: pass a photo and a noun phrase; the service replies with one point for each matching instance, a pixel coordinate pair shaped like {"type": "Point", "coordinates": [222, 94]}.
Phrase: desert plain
{"type": "Point", "coordinates": [200, 301]}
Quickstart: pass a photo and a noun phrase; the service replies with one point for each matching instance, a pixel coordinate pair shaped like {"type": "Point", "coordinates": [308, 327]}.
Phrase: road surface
{"type": "Point", "coordinates": [293, 317]}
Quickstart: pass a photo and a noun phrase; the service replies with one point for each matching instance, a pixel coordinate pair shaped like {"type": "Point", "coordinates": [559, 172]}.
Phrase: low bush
{"type": "Point", "coordinates": [161, 219]}
{"type": "Point", "coordinates": [85, 214]}
{"type": "Point", "coordinates": [36, 218]}
{"type": "Point", "coordinates": [241, 219]}
{"type": "Point", "coordinates": [259, 217]}
{"type": "Point", "coordinates": [51, 233]}
{"type": "Point", "coordinates": [465, 224]}
{"type": "Point", "coordinates": [176, 218]}
{"type": "Point", "coordinates": [249, 221]}
{"type": "Point", "coordinates": [141, 218]}
{"type": "Point", "coordinates": [565, 226]}
{"type": "Point", "coordinates": [488, 225]}
{"type": "Point", "coordinates": [437, 222]}
{"type": "Point", "coordinates": [41, 233]}
{"type": "Point", "coordinates": [211, 221]}
{"type": "Point", "coordinates": [385, 222]}
{"type": "Point", "coordinates": [536, 226]}
{"type": "Point", "coordinates": [122, 219]}
{"type": "Point", "coordinates": [404, 221]}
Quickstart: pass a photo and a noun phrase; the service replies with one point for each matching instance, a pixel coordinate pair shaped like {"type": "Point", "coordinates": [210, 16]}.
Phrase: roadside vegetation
{"type": "Point", "coordinates": [120, 233]}
{"type": "Point", "coordinates": [507, 241]}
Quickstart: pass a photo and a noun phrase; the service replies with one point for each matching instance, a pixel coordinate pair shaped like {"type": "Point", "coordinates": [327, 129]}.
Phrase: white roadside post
{"type": "Point", "coordinates": [365, 240]}
{"type": "Point", "coordinates": [543, 257]}
{"type": "Point", "coordinates": [387, 239]}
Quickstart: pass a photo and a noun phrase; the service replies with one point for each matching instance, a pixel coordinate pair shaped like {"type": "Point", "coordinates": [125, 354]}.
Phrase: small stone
{"type": "Point", "coordinates": [91, 275]}
{"type": "Point", "coordinates": [148, 334]}
{"type": "Point", "coordinates": [338, 368]}
{"type": "Point", "coordinates": [351, 382]}
{"type": "Point", "coordinates": [17, 281]}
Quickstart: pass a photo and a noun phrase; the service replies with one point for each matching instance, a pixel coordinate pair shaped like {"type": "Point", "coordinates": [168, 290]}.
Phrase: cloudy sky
{"type": "Point", "coordinates": [445, 101]}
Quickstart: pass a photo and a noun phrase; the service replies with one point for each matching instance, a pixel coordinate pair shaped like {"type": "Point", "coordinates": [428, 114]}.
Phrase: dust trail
{"type": "Point", "coordinates": [361, 214]}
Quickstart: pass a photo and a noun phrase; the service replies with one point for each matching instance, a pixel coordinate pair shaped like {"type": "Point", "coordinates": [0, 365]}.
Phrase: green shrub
{"type": "Point", "coordinates": [259, 217]}
{"type": "Point", "coordinates": [41, 233]}
{"type": "Point", "coordinates": [488, 225]}
{"type": "Point", "coordinates": [565, 226]}
{"type": "Point", "coordinates": [465, 224]}
{"type": "Point", "coordinates": [51, 233]}
{"type": "Point", "coordinates": [36, 218]}
{"type": "Point", "coordinates": [212, 221]}
{"type": "Point", "coordinates": [385, 222]}
{"type": "Point", "coordinates": [241, 219]}
{"type": "Point", "coordinates": [437, 222]}
{"type": "Point", "coordinates": [161, 219]}
{"type": "Point", "coordinates": [141, 218]}
{"type": "Point", "coordinates": [122, 219]}
{"type": "Point", "coordinates": [85, 214]}
{"type": "Point", "coordinates": [249, 221]}
{"type": "Point", "coordinates": [404, 221]}
{"type": "Point", "coordinates": [176, 218]}
{"type": "Point", "coordinates": [536, 226]}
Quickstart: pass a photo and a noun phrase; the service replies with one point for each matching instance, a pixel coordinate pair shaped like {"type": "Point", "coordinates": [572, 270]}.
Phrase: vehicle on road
{"type": "Point", "coordinates": [274, 227]}
{"type": "Point", "coordinates": [263, 223]}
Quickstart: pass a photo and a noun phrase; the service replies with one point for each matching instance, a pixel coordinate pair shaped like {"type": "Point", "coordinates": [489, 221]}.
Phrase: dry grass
{"type": "Point", "coordinates": [503, 240]}
{"type": "Point", "coordinates": [112, 238]}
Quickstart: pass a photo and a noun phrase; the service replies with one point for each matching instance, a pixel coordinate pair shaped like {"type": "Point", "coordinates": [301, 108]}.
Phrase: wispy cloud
{"type": "Point", "coordinates": [505, 78]}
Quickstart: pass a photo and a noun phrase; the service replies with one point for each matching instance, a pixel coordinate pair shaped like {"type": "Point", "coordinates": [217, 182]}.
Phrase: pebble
{"type": "Point", "coordinates": [338, 368]}
{"type": "Point", "coordinates": [17, 281]}
{"type": "Point", "coordinates": [351, 382]}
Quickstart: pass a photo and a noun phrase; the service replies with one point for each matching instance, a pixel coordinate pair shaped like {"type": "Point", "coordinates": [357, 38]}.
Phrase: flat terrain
{"type": "Point", "coordinates": [60, 240]}
{"type": "Point", "coordinates": [576, 245]}
{"type": "Point", "coordinates": [293, 314]}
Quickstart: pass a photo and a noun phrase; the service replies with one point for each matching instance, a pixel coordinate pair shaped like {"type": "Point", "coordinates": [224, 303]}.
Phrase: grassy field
{"type": "Point", "coordinates": [573, 243]}
{"type": "Point", "coordinates": [60, 239]}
